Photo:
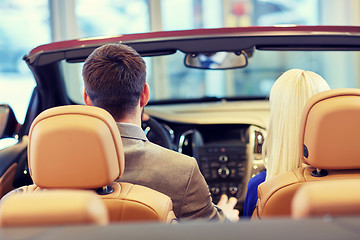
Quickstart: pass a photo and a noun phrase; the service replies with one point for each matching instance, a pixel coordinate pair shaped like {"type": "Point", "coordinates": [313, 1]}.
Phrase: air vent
{"type": "Point", "coordinates": [258, 142]}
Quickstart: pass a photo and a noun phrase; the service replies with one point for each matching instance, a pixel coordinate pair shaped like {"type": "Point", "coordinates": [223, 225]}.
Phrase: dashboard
{"type": "Point", "coordinates": [225, 138]}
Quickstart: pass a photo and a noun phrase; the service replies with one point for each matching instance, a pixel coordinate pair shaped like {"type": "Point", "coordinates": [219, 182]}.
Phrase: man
{"type": "Point", "coordinates": [115, 80]}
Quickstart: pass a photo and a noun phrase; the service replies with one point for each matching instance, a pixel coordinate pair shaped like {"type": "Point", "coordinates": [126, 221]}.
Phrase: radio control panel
{"type": "Point", "coordinates": [224, 168]}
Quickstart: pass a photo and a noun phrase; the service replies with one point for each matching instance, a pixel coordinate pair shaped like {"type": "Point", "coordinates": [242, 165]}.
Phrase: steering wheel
{"type": "Point", "coordinates": [156, 133]}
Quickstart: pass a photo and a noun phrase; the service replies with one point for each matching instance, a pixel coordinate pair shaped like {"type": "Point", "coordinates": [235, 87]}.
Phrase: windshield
{"type": "Point", "coordinates": [170, 79]}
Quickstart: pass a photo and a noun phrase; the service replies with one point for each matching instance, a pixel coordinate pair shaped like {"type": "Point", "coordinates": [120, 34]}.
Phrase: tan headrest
{"type": "Point", "coordinates": [53, 207]}
{"type": "Point", "coordinates": [334, 197]}
{"type": "Point", "coordinates": [330, 130]}
{"type": "Point", "coordinates": [75, 147]}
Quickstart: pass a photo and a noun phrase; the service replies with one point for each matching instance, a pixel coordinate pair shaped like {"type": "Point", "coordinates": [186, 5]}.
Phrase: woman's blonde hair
{"type": "Point", "coordinates": [287, 100]}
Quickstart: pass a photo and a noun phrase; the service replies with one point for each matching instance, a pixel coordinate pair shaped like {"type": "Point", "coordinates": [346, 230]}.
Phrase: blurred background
{"type": "Point", "coordinates": [26, 24]}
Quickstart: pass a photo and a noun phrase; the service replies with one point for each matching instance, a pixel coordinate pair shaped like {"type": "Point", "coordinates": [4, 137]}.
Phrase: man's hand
{"type": "Point", "coordinates": [227, 205]}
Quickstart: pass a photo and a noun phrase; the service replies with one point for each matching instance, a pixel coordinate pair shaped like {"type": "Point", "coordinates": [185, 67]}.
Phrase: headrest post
{"type": "Point", "coordinates": [319, 173]}
{"type": "Point", "coordinates": [104, 190]}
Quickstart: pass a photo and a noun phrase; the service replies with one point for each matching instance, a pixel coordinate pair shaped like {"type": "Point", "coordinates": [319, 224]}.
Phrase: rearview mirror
{"type": "Point", "coordinates": [8, 122]}
{"type": "Point", "coordinates": [216, 60]}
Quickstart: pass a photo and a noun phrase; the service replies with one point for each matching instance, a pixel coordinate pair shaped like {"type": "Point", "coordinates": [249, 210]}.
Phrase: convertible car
{"type": "Point", "coordinates": [209, 100]}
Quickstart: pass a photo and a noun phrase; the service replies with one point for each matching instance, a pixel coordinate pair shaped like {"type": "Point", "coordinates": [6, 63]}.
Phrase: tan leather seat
{"type": "Point", "coordinates": [329, 138]}
{"type": "Point", "coordinates": [45, 208]}
{"type": "Point", "coordinates": [79, 147]}
{"type": "Point", "coordinates": [335, 198]}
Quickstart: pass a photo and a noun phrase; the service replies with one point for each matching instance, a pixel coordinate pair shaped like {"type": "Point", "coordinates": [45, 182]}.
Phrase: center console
{"type": "Point", "coordinates": [228, 156]}
{"type": "Point", "coordinates": [224, 168]}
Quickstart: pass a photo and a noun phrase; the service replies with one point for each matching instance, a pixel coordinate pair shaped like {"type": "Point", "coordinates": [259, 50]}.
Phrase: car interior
{"type": "Point", "coordinates": [64, 145]}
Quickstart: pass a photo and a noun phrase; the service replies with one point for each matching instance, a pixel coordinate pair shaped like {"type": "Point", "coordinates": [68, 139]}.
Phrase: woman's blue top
{"type": "Point", "coordinates": [252, 195]}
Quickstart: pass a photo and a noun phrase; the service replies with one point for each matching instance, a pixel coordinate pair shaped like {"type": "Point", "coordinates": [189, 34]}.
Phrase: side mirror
{"type": "Point", "coordinates": [8, 122]}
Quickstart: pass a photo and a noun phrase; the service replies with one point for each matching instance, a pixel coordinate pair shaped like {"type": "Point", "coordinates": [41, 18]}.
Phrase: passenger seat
{"type": "Point", "coordinates": [329, 140]}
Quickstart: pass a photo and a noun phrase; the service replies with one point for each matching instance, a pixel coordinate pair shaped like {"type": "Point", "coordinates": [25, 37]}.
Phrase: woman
{"type": "Point", "coordinates": [288, 97]}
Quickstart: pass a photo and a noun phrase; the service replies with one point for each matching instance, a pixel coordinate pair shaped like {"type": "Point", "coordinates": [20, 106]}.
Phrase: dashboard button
{"type": "Point", "coordinates": [223, 172]}
{"type": "Point", "coordinates": [215, 164]}
{"type": "Point", "coordinates": [223, 158]}
{"type": "Point", "coordinates": [233, 190]}
{"type": "Point", "coordinates": [215, 190]}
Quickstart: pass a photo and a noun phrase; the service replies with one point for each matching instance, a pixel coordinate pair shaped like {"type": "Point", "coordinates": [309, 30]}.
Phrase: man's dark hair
{"type": "Point", "coordinates": [114, 77]}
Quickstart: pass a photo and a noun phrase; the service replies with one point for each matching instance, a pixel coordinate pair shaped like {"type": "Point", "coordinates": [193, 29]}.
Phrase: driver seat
{"type": "Point", "coordinates": [80, 147]}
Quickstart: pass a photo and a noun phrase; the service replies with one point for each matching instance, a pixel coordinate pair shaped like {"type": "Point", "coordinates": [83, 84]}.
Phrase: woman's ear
{"type": "Point", "coordinates": [86, 98]}
{"type": "Point", "coordinates": [145, 95]}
